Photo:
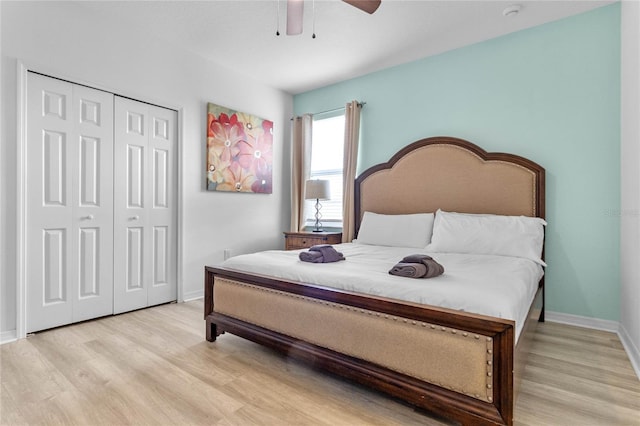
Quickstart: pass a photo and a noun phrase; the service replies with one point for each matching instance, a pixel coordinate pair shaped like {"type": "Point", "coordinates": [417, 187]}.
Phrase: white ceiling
{"type": "Point", "coordinates": [241, 34]}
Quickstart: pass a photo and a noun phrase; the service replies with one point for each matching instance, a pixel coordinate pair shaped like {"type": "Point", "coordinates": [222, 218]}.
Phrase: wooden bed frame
{"type": "Point", "coordinates": [455, 364]}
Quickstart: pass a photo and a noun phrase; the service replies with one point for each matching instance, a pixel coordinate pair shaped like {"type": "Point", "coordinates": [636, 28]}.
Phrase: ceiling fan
{"type": "Point", "coordinates": [295, 9]}
{"type": "Point", "coordinates": [368, 6]}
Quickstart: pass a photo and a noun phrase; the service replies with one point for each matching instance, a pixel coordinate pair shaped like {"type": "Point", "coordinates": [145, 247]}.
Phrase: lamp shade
{"type": "Point", "coordinates": [317, 190]}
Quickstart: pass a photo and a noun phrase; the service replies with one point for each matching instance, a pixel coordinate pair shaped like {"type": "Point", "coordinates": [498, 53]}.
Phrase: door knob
{"type": "Point", "coordinates": [136, 217]}
{"type": "Point", "coordinates": [88, 217]}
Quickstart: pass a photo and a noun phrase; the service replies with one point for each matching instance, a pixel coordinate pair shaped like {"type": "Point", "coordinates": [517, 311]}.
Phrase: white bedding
{"type": "Point", "coordinates": [497, 286]}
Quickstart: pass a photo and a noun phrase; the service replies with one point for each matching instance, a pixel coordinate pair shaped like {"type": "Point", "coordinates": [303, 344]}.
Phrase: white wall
{"type": "Point", "coordinates": [630, 165]}
{"type": "Point", "coordinates": [65, 40]}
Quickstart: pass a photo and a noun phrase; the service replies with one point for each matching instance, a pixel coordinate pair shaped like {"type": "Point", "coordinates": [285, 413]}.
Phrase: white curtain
{"type": "Point", "coordinates": [300, 167]}
{"type": "Point", "coordinates": [351, 138]}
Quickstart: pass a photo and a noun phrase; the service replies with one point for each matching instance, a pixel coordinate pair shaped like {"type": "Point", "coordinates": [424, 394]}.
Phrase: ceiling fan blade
{"type": "Point", "coordinates": [295, 11]}
{"type": "Point", "coordinates": [368, 6]}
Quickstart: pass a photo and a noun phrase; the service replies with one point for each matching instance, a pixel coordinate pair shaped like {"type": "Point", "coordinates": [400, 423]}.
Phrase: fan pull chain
{"type": "Point", "coordinates": [313, 3]}
{"type": "Point", "coordinates": [278, 18]}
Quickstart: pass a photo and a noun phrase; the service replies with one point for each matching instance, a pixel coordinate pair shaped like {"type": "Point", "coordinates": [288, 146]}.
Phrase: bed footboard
{"type": "Point", "coordinates": [456, 364]}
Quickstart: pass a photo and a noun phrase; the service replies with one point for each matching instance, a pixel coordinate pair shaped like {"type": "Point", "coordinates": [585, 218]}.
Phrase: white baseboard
{"type": "Point", "coordinates": [193, 295]}
{"type": "Point", "coordinates": [605, 325]}
{"type": "Point", "coordinates": [580, 321]}
{"type": "Point", "coordinates": [632, 350]}
{"type": "Point", "coordinates": [8, 336]}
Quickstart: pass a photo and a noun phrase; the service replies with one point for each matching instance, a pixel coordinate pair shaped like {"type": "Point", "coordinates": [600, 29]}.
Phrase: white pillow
{"type": "Point", "coordinates": [517, 236]}
{"type": "Point", "coordinates": [396, 230]}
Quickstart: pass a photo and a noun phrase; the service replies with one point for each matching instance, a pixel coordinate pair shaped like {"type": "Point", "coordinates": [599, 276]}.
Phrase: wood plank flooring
{"type": "Point", "coordinates": [154, 367]}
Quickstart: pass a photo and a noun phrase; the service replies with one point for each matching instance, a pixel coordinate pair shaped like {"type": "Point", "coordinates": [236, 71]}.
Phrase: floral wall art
{"type": "Point", "coordinates": [239, 151]}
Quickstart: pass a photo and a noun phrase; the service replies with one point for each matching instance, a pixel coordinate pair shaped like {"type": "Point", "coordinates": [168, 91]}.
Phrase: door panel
{"type": "Point", "coordinates": [162, 219]}
{"type": "Point", "coordinates": [134, 258]}
{"type": "Point", "coordinates": [145, 215]}
{"type": "Point", "coordinates": [89, 171]}
{"type": "Point", "coordinates": [160, 251]}
{"type": "Point", "coordinates": [89, 262]}
{"type": "Point", "coordinates": [135, 176]}
{"type": "Point", "coordinates": [160, 178]}
{"type": "Point", "coordinates": [54, 167]}
{"type": "Point", "coordinates": [55, 266]}
{"type": "Point", "coordinates": [130, 272]}
{"type": "Point", "coordinates": [69, 203]}
{"type": "Point", "coordinates": [90, 112]}
{"type": "Point", "coordinates": [54, 101]}
{"type": "Point", "coordinates": [49, 210]}
{"type": "Point", "coordinates": [93, 203]}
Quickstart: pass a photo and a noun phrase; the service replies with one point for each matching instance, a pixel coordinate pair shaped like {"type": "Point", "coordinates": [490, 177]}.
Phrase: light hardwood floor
{"type": "Point", "coordinates": [154, 367]}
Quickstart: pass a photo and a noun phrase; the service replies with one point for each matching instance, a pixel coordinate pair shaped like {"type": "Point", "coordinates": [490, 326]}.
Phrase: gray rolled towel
{"type": "Point", "coordinates": [329, 254]}
{"type": "Point", "coordinates": [311, 256]}
{"type": "Point", "coordinates": [409, 270]}
{"type": "Point", "coordinates": [433, 267]}
{"type": "Point", "coordinates": [415, 258]}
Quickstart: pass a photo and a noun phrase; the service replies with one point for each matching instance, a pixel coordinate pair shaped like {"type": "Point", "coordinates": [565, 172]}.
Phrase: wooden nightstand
{"type": "Point", "coordinates": [300, 240]}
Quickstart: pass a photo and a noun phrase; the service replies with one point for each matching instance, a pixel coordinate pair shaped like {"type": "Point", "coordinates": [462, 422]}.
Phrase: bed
{"type": "Point", "coordinates": [451, 361]}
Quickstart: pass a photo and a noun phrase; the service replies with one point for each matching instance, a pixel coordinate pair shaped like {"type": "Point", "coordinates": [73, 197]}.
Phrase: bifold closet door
{"type": "Point", "coordinates": [145, 215]}
{"type": "Point", "coordinates": [69, 195]}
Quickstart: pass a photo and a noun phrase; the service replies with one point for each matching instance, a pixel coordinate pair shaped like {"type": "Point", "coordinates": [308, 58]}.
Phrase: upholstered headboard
{"type": "Point", "coordinates": [454, 175]}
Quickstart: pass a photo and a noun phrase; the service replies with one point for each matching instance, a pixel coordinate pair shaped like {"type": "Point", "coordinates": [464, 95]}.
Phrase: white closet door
{"type": "Point", "coordinates": [93, 203]}
{"type": "Point", "coordinates": [69, 203]}
{"type": "Point", "coordinates": [145, 207]}
{"type": "Point", "coordinates": [163, 217]}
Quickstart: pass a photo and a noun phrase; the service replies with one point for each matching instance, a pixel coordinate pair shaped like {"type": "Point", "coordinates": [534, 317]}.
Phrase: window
{"type": "Point", "coordinates": [327, 150]}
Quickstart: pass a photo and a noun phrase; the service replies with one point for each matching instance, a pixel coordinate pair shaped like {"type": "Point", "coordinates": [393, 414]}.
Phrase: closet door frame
{"type": "Point", "coordinates": [22, 70]}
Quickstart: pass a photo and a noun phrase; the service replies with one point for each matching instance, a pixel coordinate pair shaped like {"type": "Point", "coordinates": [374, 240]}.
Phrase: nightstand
{"type": "Point", "coordinates": [300, 240]}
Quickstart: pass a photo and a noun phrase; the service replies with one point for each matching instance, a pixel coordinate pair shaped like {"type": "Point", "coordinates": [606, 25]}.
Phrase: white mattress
{"type": "Point", "coordinates": [497, 286]}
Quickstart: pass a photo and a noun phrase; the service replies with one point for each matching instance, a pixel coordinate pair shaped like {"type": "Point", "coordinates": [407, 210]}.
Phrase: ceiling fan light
{"type": "Point", "coordinates": [295, 11]}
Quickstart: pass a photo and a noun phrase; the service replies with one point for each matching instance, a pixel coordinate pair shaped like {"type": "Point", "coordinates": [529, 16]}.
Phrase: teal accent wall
{"type": "Point", "coordinates": [549, 93]}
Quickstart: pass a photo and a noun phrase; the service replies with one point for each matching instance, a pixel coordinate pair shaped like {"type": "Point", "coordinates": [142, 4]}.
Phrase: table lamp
{"type": "Point", "coordinates": [317, 189]}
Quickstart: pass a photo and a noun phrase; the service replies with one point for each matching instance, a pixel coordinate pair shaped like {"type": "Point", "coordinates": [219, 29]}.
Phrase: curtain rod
{"type": "Point", "coordinates": [360, 104]}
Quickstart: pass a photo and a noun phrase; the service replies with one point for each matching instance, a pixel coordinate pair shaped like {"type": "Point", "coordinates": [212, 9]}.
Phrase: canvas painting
{"type": "Point", "coordinates": [239, 151]}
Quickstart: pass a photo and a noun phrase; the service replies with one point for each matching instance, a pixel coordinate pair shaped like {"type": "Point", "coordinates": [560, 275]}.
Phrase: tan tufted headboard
{"type": "Point", "coordinates": [454, 175]}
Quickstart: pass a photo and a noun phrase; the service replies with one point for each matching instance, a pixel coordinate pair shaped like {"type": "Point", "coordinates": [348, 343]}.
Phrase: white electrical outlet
{"type": "Point", "coordinates": [227, 253]}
